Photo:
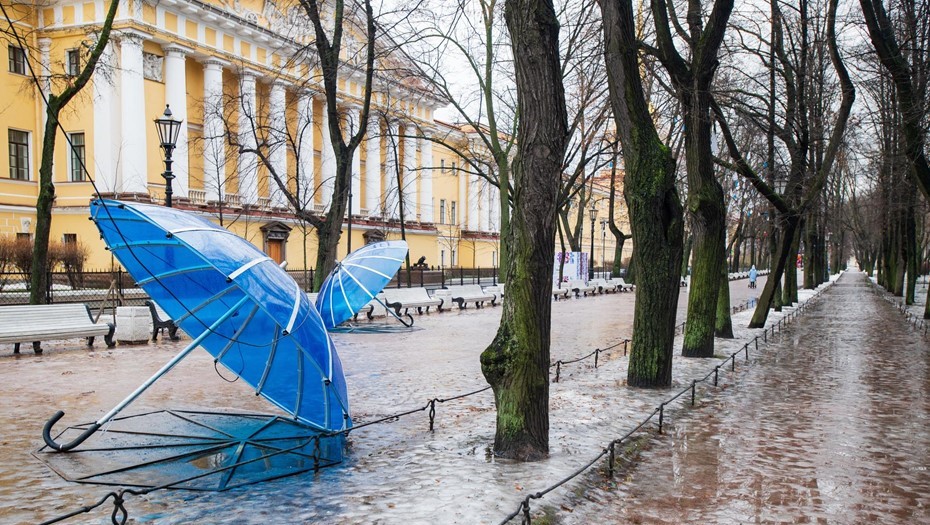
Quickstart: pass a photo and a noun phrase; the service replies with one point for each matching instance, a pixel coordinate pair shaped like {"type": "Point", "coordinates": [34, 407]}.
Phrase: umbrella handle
{"type": "Point", "coordinates": [47, 434]}
{"type": "Point", "coordinates": [401, 319]}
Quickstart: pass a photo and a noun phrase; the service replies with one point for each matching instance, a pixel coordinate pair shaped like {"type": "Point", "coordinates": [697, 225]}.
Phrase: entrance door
{"type": "Point", "coordinates": [276, 250]}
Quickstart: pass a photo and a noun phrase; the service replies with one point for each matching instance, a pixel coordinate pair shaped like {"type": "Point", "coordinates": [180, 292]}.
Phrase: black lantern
{"type": "Point", "coordinates": [593, 212]}
{"type": "Point", "coordinates": [168, 131]}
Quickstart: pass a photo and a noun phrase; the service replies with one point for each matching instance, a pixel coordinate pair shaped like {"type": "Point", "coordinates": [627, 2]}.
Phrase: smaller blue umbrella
{"type": "Point", "coordinates": [357, 280]}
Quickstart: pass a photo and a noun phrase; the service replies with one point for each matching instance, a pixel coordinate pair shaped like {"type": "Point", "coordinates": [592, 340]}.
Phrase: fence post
{"type": "Point", "coordinates": [48, 287]}
{"type": "Point", "coordinates": [421, 277]}
{"type": "Point", "coordinates": [461, 276]}
{"type": "Point", "coordinates": [661, 416]}
{"type": "Point", "coordinates": [442, 277]}
{"type": "Point", "coordinates": [479, 275]}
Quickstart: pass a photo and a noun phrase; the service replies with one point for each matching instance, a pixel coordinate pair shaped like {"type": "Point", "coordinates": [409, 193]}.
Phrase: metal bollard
{"type": "Point", "coordinates": [558, 370]}
{"type": "Point", "coordinates": [716, 373]}
{"type": "Point", "coordinates": [733, 363]}
{"type": "Point", "coordinates": [661, 416]}
{"type": "Point", "coordinates": [746, 348]}
{"type": "Point", "coordinates": [625, 341]}
{"type": "Point", "coordinates": [432, 413]}
{"type": "Point", "coordinates": [693, 383]}
{"type": "Point", "coordinates": [757, 342]}
{"type": "Point", "coordinates": [597, 352]}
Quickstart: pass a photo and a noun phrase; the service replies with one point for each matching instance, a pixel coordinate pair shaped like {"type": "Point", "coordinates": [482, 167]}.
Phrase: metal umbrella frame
{"type": "Point", "coordinates": [233, 301]}
{"type": "Point", "coordinates": [358, 279]}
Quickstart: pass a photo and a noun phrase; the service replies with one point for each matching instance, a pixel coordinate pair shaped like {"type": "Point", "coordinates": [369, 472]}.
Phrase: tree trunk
{"type": "Point", "coordinates": [652, 200]}
{"type": "Point", "coordinates": [617, 267]}
{"type": "Point", "coordinates": [724, 323]}
{"type": "Point", "coordinates": [913, 257]}
{"type": "Point", "coordinates": [790, 284]}
{"type": "Point", "coordinates": [761, 313]}
{"type": "Point", "coordinates": [516, 364]}
{"type": "Point", "coordinates": [686, 256]}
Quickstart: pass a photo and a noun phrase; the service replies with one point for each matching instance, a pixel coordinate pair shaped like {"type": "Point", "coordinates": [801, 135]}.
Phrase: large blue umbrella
{"type": "Point", "coordinates": [358, 279]}
{"type": "Point", "coordinates": [232, 300]}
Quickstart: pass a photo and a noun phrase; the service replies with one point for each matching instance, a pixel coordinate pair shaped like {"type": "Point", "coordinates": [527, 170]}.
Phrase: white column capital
{"type": "Point", "coordinates": [246, 73]}
{"type": "Point", "coordinates": [45, 44]}
{"type": "Point", "coordinates": [176, 50]}
{"type": "Point", "coordinates": [214, 64]}
{"type": "Point", "coordinates": [133, 37]}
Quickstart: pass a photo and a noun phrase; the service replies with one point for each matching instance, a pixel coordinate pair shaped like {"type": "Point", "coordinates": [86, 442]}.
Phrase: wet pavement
{"type": "Point", "coordinates": [830, 424]}
{"type": "Point", "coordinates": [394, 473]}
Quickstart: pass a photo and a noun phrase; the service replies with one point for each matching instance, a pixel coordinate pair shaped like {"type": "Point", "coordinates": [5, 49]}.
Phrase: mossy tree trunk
{"type": "Point", "coordinates": [516, 364]}
{"type": "Point", "coordinates": [692, 78]}
{"type": "Point", "coordinates": [652, 200]}
{"type": "Point", "coordinates": [790, 284]}
{"type": "Point", "coordinates": [723, 326]}
{"type": "Point", "coordinates": [38, 279]}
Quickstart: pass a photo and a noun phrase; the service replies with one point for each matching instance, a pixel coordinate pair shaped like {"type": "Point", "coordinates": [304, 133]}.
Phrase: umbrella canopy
{"type": "Point", "coordinates": [358, 279]}
{"type": "Point", "coordinates": [236, 301]}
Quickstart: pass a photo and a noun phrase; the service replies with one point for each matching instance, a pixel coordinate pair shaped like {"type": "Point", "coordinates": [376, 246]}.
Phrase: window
{"type": "Point", "coordinates": [452, 214]}
{"type": "Point", "coordinates": [452, 262]}
{"type": "Point", "coordinates": [69, 238]}
{"type": "Point", "coordinates": [19, 154]}
{"type": "Point", "coordinates": [442, 165]}
{"type": "Point", "coordinates": [453, 169]}
{"type": "Point", "coordinates": [24, 237]}
{"type": "Point", "coordinates": [17, 60]}
{"type": "Point", "coordinates": [442, 211]}
{"type": "Point", "coordinates": [73, 62]}
{"type": "Point", "coordinates": [77, 157]}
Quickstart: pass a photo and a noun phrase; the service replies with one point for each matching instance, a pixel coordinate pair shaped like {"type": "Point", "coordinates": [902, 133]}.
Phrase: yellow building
{"type": "Point", "coordinates": [236, 72]}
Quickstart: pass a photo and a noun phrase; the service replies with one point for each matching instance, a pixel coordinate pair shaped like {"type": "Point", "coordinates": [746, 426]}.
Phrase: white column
{"type": "Point", "coordinates": [373, 167]}
{"type": "Point", "coordinates": [485, 206]}
{"type": "Point", "coordinates": [248, 162]}
{"type": "Point", "coordinates": [278, 150]}
{"type": "Point", "coordinates": [495, 206]}
{"type": "Point", "coordinates": [409, 180]}
{"type": "Point", "coordinates": [352, 119]}
{"type": "Point", "coordinates": [474, 203]}
{"type": "Point", "coordinates": [462, 207]}
{"type": "Point", "coordinates": [305, 183]}
{"type": "Point", "coordinates": [106, 142]}
{"type": "Point", "coordinates": [426, 177]}
{"type": "Point", "coordinates": [327, 161]}
{"type": "Point", "coordinates": [134, 160]}
{"type": "Point", "coordinates": [45, 47]}
{"type": "Point", "coordinates": [176, 97]}
{"type": "Point", "coordinates": [214, 147]}
{"type": "Point", "coordinates": [392, 194]}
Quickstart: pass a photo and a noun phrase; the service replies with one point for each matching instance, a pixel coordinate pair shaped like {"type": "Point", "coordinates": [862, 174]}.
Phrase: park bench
{"type": "Point", "coordinates": [581, 287]}
{"type": "Point", "coordinates": [162, 321]}
{"type": "Point", "coordinates": [622, 285]}
{"type": "Point", "coordinates": [406, 298]}
{"type": "Point", "coordinates": [462, 295]}
{"type": "Point", "coordinates": [497, 291]}
{"type": "Point", "coordinates": [368, 309]}
{"type": "Point", "coordinates": [603, 286]}
{"type": "Point", "coordinates": [49, 322]}
{"type": "Point", "coordinates": [559, 293]}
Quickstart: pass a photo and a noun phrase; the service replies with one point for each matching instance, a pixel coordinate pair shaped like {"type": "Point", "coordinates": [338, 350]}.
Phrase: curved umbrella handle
{"type": "Point", "coordinates": [47, 434]}
{"type": "Point", "coordinates": [401, 319]}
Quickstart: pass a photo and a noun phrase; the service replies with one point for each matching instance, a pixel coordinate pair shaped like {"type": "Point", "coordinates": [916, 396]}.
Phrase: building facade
{"type": "Point", "coordinates": [240, 76]}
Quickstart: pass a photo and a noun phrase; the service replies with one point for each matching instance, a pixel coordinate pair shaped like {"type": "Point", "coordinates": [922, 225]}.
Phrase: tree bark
{"type": "Point", "coordinates": [516, 364]}
{"type": "Point", "coordinates": [652, 200]}
{"type": "Point", "coordinates": [724, 324]}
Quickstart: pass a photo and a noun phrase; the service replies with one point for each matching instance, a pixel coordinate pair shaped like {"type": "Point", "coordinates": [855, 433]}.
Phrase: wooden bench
{"type": "Point", "coordinates": [49, 322]}
{"type": "Point", "coordinates": [559, 293]}
{"type": "Point", "coordinates": [407, 298]}
{"type": "Point", "coordinates": [581, 287]}
{"type": "Point", "coordinates": [462, 295]}
{"type": "Point", "coordinates": [162, 321]}
{"type": "Point", "coordinates": [603, 285]}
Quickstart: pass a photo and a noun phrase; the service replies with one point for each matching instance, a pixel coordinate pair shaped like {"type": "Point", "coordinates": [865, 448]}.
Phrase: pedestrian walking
{"type": "Point", "coordinates": [752, 276]}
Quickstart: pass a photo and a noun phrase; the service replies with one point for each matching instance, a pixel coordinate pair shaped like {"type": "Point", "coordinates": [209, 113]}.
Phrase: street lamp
{"type": "Point", "coordinates": [168, 130]}
{"type": "Point", "coordinates": [604, 242]}
{"type": "Point", "coordinates": [593, 212]}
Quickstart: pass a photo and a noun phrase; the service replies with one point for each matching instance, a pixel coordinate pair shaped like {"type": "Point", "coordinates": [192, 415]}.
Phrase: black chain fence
{"type": "Point", "coordinates": [120, 515]}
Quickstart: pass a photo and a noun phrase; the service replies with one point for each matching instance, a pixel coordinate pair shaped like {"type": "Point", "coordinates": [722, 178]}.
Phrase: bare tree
{"type": "Point", "coordinates": [70, 85]}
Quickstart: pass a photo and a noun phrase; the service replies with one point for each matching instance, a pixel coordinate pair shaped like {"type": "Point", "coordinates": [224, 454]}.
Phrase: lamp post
{"type": "Point", "coordinates": [604, 242]}
{"type": "Point", "coordinates": [593, 212]}
{"type": "Point", "coordinates": [168, 130]}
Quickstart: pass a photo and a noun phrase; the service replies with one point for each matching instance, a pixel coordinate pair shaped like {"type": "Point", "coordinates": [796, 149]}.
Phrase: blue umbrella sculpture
{"type": "Point", "coordinates": [358, 279]}
{"type": "Point", "coordinates": [232, 300]}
